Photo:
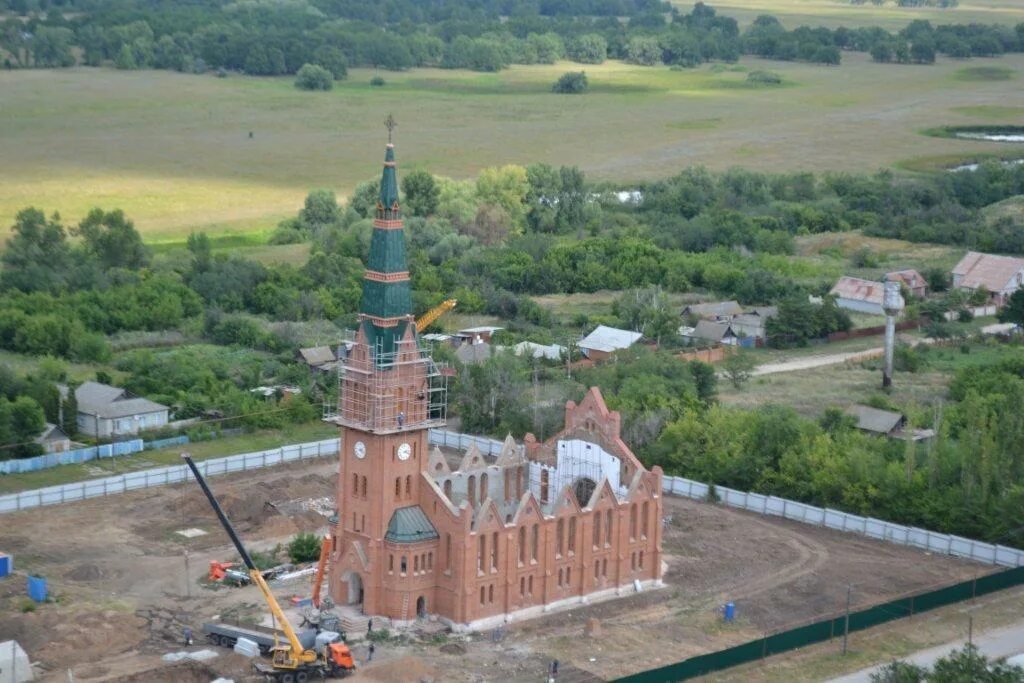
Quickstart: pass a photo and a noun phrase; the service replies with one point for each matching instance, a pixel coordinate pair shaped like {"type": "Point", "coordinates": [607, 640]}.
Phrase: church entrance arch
{"type": "Point", "coordinates": [355, 588]}
{"type": "Point", "coordinates": [421, 607]}
{"type": "Point", "coordinates": [583, 489]}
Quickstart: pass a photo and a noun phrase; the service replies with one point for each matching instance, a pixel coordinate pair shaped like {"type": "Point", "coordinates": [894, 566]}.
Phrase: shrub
{"type": "Point", "coordinates": [304, 548]}
{"type": "Point", "coordinates": [571, 83]}
{"type": "Point", "coordinates": [965, 315]}
{"type": "Point", "coordinates": [313, 77]}
{"type": "Point", "coordinates": [377, 81]}
{"type": "Point", "coordinates": [764, 78]}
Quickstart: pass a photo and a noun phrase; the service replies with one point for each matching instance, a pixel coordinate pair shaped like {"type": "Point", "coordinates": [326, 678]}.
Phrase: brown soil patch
{"type": "Point", "coordinates": [124, 598]}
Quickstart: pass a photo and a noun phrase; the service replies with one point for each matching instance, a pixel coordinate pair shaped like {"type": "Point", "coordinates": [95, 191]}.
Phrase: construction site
{"type": "Point", "coordinates": [125, 586]}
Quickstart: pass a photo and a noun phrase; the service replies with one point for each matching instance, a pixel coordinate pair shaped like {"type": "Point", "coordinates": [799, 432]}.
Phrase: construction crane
{"type": "Point", "coordinates": [291, 663]}
{"type": "Point", "coordinates": [318, 579]}
{"type": "Point", "coordinates": [434, 313]}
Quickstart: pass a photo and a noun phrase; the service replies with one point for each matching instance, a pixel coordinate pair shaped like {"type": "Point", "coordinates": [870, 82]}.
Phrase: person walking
{"type": "Point", "coordinates": [372, 649]}
{"type": "Point", "coordinates": [188, 636]}
{"type": "Point", "coordinates": [369, 626]}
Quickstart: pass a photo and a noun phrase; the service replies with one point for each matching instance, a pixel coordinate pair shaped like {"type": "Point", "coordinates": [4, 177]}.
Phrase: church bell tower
{"type": "Point", "coordinates": [390, 395]}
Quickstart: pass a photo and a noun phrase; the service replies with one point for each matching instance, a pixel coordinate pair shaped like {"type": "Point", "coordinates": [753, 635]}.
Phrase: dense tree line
{"type": "Point", "coordinates": [968, 480]}
{"type": "Point", "coordinates": [273, 38]}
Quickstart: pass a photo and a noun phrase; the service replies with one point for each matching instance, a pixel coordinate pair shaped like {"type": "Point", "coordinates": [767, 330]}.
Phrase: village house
{"type": "Point", "coordinates": [710, 332]}
{"type": "Point", "coordinates": [856, 294]}
{"type": "Point", "coordinates": [753, 323]}
{"type": "Point", "coordinates": [105, 411]}
{"type": "Point", "coordinates": [604, 341]}
{"type": "Point", "coordinates": [722, 311]}
{"type": "Point", "coordinates": [1001, 276]}
{"type": "Point", "coordinates": [911, 280]}
{"type": "Point", "coordinates": [318, 358]}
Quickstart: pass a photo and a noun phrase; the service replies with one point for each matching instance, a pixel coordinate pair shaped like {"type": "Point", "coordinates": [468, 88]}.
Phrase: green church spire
{"type": "Point", "coordinates": [387, 296]}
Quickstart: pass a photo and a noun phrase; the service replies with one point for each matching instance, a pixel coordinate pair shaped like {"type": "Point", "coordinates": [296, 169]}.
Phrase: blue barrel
{"type": "Point", "coordinates": [37, 588]}
{"type": "Point", "coordinates": [6, 565]}
{"type": "Point", "coordinates": [729, 611]}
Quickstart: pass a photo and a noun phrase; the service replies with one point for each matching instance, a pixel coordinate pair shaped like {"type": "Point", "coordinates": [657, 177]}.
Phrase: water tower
{"type": "Point", "coordinates": [892, 303]}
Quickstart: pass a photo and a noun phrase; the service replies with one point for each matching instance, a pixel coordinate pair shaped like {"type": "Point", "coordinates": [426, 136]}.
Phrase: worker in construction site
{"type": "Point", "coordinates": [369, 656]}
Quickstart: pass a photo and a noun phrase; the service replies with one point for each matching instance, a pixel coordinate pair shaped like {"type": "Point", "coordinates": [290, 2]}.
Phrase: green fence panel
{"type": "Point", "coordinates": [880, 614]}
{"type": "Point", "coordinates": [798, 637]}
{"type": "Point", "coordinates": [944, 596]}
{"type": "Point", "coordinates": [830, 628]}
{"type": "Point", "coordinates": [700, 664]}
{"type": "Point", "coordinates": [1001, 580]}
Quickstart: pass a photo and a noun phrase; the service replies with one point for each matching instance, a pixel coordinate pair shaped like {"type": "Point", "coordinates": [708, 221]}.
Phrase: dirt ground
{"type": "Point", "coordinates": [116, 571]}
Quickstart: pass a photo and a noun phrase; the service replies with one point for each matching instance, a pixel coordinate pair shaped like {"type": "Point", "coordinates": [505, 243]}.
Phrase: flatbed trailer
{"type": "Point", "coordinates": [227, 634]}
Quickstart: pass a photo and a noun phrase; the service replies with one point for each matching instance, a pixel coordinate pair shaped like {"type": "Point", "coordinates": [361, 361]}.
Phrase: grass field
{"type": "Point", "coordinates": [173, 150]}
{"type": "Point", "coordinates": [833, 13]}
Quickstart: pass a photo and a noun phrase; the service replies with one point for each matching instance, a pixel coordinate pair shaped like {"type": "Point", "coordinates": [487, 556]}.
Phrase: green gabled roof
{"type": "Point", "coordinates": [389, 179]}
{"type": "Point", "coordinates": [410, 525]}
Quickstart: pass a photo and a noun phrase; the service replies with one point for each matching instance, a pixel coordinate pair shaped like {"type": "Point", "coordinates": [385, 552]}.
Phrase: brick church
{"type": "Point", "coordinates": [544, 526]}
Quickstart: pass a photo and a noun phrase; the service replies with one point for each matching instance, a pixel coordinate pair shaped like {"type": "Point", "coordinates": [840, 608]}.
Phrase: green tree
{"type": "Point", "coordinates": [738, 368]}
{"type": "Point", "coordinates": [705, 380]}
{"type": "Point", "coordinates": [644, 50]}
{"type": "Point", "coordinates": [320, 209]}
{"type": "Point", "coordinates": [590, 48]}
{"type": "Point", "coordinates": [126, 58]}
{"type": "Point", "coordinates": [112, 240]}
{"type": "Point", "coordinates": [332, 59]}
{"type": "Point", "coordinates": [571, 83]}
{"type": "Point", "coordinates": [1013, 311]}
{"type": "Point", "coordinates": [313, 77]}
{"type": "Point", "coordinates": [420, 193]}
{"type": "Point", "coordinates": [304, 547]}
{"type": "Point", "coordinates": [37, 257]}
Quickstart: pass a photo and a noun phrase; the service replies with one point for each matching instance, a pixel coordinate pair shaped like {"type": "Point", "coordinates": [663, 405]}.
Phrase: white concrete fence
{"type": "Point", "coordinates": [870, 527]}
{"type": "Point", "coordinates": [161, 476]}
{"type": "Point", "coordinates": [945, 544]}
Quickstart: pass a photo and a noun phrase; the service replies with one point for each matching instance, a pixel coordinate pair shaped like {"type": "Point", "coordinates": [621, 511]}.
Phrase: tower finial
{"type": "Point", "coordinates": [390, 124]}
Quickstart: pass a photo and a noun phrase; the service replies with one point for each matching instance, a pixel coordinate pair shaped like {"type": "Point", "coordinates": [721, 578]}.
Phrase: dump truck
{"type": "Point", "coordinates": [226, 634]}
{"type": "Point", "coordinates": [290, 661]}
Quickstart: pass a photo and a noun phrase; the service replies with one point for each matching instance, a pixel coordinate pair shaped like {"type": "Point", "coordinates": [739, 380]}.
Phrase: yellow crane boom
{"type": "Point", "coordinates": [434, 313]}
{"type": "Point", "coordinates": [289, 657]}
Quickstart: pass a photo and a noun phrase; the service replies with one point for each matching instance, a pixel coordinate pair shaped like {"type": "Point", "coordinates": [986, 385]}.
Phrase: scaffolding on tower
{"type": "Point", "coordinates": [383, 391]}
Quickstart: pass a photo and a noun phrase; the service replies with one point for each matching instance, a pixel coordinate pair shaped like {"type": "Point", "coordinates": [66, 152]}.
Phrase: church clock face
{"type": "Point", "coordinates": [404, 451]}
{"type": "Point", "coordinates": [359, 450]}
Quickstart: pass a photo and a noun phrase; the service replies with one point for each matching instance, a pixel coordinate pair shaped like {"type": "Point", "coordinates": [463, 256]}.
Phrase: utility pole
{"type": "Point", "coordinates": [188, 582]}
{"type": "Point", "coordinates": [970, 629]}
{"type": "Point", "coordinates": [846, 619]}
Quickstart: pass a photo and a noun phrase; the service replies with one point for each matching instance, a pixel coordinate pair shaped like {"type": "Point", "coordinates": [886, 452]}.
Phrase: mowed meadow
{"type": "Point", "coordinates": [174, 150]}
{"type": "Point", "coordinates": [835, 13]}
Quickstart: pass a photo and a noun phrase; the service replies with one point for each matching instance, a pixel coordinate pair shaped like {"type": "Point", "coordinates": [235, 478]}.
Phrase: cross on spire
{"type": "Point", "coordinates": [390, 124]}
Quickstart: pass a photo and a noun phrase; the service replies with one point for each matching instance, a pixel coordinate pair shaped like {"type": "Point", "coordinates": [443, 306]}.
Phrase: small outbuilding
{"type": "Point", "coordinates": [912, 280]}
{"type": "Point", "coordinates": [885, 423]}
{"type": "Point", "coordinates": [604, 341]}
{"type": "Point", "coordinates": [53, 439]}
{"type": "Point", "coordinates": [856, 294]}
